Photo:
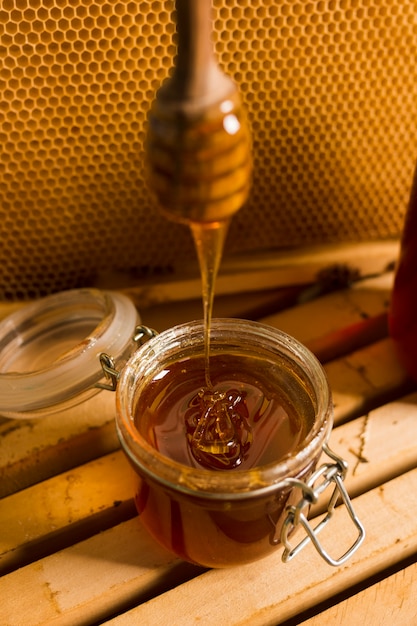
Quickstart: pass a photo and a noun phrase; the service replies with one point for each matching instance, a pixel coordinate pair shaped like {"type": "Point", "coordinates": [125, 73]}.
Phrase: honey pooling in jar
{"type": "Point", "coordinates": [218, 431]}
{"type": "Point", "coordinates": [270, 421]}
{"type": "Point", "coordinates": [217, 427]}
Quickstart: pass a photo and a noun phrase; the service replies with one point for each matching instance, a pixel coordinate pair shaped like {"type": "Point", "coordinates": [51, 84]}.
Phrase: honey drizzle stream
{"type": "Point", "coordinates": [209, 242]}
{"type": "Point", "coordinates": [221, 435]}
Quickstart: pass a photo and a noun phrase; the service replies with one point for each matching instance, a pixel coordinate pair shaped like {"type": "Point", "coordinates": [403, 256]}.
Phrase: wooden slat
{"type": "Point", "coordinates": [94, 578]}
{"type": "Point", "coordinates": [36, 449]}
{"type": "Point", "coordinates": [350, 338]}
{"type": "Point", "coordinates": [255, 272]}
{"type": "Point", "coordinates": [268, 592]}
{"type": "Point", "coordinates": [376, 257]}
{"type": "Point", "coordinates": [366, 378]}
{"type": "Point", "coordinates": [390, 602]}
{"type": "Point", "coordinates": [314, 322]}
{"type": "Point", "coordinates": [340, 322]}
{"type": "Point", "coordinates": [377, 447]}
{"type": "Point", "coordinates": [54, 513]}
{"type": "Point", "coordinates": [254, 305]}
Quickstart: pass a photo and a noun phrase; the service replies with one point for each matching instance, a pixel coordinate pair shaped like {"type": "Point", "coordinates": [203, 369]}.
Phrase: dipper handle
{"type": "Point", "coordinates": [198, 146]}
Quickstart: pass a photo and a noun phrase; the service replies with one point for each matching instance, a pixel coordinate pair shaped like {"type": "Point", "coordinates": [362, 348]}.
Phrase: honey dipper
{"type": "Point", "coordinates": [198, 146]}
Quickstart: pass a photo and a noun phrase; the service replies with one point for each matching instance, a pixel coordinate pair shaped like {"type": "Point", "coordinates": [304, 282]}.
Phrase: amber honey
{"type": "Point", "coordinates": [213, 533]}
{"type": "Point", "coordinates": [171, 409]}
{"type": "Point", "coordinates": [168, 413]}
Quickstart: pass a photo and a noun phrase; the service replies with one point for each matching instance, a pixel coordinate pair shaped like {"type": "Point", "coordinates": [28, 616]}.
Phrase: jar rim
{"type": "Point", "coordinates": [228, 484]}
{"type": "Point", "coordinates": [28, 392]}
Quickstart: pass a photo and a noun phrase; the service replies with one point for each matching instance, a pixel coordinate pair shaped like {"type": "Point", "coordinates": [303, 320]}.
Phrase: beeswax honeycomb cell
{"type": "Point", "coordinates": [330, 87]}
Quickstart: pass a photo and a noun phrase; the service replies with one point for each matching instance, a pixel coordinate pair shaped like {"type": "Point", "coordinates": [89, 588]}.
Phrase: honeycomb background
{"type": "Point", "coordinates": [331, 91]}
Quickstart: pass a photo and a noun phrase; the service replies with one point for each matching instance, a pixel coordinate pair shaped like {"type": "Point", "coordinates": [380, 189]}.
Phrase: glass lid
{"type": "Point", "coordinates": [50, 350]}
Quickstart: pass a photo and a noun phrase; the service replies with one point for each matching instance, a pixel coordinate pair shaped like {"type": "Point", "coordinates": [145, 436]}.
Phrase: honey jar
{"type": "Point", "coordinates": [221, 517]}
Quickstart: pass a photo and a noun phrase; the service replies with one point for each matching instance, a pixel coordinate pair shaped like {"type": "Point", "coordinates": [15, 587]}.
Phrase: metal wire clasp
{"type": "Point", "coordinates": [141, 335]}
{"type": "Point", "coordinates": [326, 474]}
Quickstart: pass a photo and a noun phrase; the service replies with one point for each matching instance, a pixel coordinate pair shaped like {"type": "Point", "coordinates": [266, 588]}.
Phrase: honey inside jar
{"type": "Point", "coordinates": [250, 395]}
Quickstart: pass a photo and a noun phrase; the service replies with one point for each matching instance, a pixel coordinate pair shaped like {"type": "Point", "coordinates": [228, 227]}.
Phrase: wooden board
{"type": "Point", "coordinates": [139, 565]}
{"type": "Point", "coordinates": [62, 509]}
{"type": "Point", "coordinates": [389, 602]}
{"type": "Point", "coordinates": [247, 273]}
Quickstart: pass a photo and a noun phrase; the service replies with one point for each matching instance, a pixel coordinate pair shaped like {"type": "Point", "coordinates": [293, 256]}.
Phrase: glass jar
{"type": "Point", "coordinates": [50, 350]}
{"type": "Point", "coordinates": [218, 518]}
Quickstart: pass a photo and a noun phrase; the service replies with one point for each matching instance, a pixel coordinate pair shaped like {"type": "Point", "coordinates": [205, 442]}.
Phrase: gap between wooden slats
{"type": "Point", "coordinates": [122, 566]}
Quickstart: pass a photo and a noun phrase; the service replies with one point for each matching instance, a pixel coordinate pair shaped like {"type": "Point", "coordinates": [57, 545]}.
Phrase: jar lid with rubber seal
{"type": "Point", "coordinates": [51, 350]}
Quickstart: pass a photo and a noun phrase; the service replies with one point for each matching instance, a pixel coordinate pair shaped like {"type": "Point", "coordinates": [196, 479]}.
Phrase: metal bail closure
{"type": "Point", "coordinates": [326, 474]}
{"type": "Point", "coordinates": [141, 335]}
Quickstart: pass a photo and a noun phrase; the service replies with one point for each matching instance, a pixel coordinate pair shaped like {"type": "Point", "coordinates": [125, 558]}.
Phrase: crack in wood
{"type": "Point", "coordinates": [363, 437]}
{"type": "Point", "coordinates": [362, 370]}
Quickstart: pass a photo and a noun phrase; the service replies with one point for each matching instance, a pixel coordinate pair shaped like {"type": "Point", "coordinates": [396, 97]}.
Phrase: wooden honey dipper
{"type": "Point", "coordinates": [198, 147]}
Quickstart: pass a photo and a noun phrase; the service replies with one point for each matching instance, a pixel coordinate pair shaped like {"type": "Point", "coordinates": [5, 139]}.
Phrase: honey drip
{"type": "Point", "coordinates": [218, 430]}
{"type": "Point", "coordinates": [209, 241]}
